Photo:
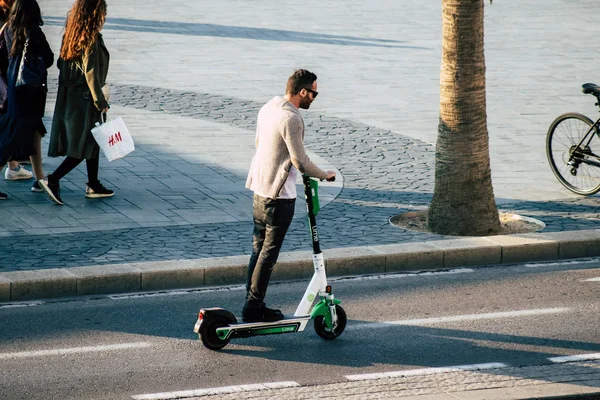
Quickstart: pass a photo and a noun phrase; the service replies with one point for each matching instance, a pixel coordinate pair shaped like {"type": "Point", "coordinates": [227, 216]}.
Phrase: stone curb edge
{"type": "Point", "coordinates": [210, 272]}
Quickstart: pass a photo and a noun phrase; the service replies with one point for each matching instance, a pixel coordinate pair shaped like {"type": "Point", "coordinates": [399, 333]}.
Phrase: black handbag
{"type": "Point", "coordinates": [32, 70]}
{"type": "Point", "coordinates": [3, 95]}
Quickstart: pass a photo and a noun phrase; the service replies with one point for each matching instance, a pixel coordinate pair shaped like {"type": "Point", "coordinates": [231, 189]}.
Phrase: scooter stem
{"type": "Point", "coordinates": [316, 286]}
{"type": "Point", "coordinates": [309, 196]}
{"type": "Point", "coordinates": [318, 282]}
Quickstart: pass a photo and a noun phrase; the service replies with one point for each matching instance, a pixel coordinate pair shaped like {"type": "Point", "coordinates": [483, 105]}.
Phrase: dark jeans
{"type": "Point", "coordinates": [272, 218]}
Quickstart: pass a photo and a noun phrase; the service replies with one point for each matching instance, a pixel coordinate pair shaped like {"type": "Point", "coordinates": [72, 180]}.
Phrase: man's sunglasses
{"type": "Point", "coordinates": [314, 92]}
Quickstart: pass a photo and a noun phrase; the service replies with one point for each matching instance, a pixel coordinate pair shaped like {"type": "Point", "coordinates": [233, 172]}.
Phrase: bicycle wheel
{"type": "Point", "coordinates": [566, 158]}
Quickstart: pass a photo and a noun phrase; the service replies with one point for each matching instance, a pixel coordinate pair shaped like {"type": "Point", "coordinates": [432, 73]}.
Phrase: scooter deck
{"type": "Point", "coordinates": [289, 324]}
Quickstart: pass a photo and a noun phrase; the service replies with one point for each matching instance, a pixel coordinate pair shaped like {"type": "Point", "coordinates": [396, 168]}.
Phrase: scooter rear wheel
{"type": "Point", "coordinates": [208, 333]}
{"type": "Point", "coordinates": [330, 334]}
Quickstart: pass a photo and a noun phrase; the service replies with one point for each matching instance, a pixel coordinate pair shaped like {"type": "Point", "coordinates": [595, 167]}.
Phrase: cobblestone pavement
{"type": "Point", "coordinates": [190, 86]}
{"type": "Point", "coordinates": [526, 382]}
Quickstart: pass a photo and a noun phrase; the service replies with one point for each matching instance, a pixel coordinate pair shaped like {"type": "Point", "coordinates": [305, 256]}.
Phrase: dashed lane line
{"type": "Point", "coordinates": [565, 262]}
{"type": "Point", "coordinates": [75, 350]}
{"type": "Point", "coordinates": [403, 275]}
{"type": "Point", "coordinates": [458, 318]}
{"type": "Point", "coordinates": [579, 357]}
{"type": "Point", "coordinates": [21, 304]}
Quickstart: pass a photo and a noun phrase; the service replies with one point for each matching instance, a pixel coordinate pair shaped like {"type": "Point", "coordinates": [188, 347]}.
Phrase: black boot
{"type": "Point", "coordinates": [260, 314]}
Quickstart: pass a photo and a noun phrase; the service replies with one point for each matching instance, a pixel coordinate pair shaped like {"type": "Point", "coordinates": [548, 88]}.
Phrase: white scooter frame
{"type": "Point", "coordinates": [217, 326]}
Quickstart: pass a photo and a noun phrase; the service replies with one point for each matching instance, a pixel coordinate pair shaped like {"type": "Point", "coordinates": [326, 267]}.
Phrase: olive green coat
{"type": "Point", "coordinates": [79, 103]}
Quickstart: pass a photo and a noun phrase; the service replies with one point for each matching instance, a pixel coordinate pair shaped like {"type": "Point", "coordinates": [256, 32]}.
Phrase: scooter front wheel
{"type": "Point", "coordinates": [330, 334]}
{"type": "Point", "coordinates": [208, 333]}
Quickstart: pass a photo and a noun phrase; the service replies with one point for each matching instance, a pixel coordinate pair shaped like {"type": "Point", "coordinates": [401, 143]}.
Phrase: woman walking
{"type": "Point", "coordinates": [21, 128]}
{"type": "Point", "coordinates": [15, 171]}
{"type": "Point", "coordinates": [80, 102]}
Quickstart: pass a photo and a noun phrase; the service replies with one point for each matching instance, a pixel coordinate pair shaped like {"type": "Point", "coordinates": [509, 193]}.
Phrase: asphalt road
{"type": "Point", "coordinates": [121, 346]}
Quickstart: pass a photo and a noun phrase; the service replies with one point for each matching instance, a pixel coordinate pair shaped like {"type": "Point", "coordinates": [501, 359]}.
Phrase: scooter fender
{"type": "Point", "coordinates": [322, 309]}
{"type": "Point", "coordinates": [211, 313]}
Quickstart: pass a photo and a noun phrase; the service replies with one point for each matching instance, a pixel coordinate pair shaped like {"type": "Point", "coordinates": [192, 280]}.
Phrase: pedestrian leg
{"type": "Point", "coordinates": [36, 159]}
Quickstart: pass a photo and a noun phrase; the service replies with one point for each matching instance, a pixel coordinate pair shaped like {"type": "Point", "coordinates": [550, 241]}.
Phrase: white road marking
{"type": "Point", "coordinates": [424, 371]}
{"type": "Point", "coordinates": [24, 304]}
{"type": "Point", "coordinates": [212, 391]}
{"type": "Point", "coordinates": [459, 318]}
{"type": "Point", "coordinates": [176, 292]}
{"type": "Point", "coordinates": [579, 357]}
{"type": "Point", "coordinates": [592, 280]}
{"type": "Point", "coordinates": [555, 263]}
{"type": "Point", "coordinates": [403, 275]}
{"type": "Point", "coordinates": [75, 350]}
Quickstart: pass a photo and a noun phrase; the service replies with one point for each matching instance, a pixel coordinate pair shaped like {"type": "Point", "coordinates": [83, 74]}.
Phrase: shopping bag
{"type": "Point", "coordinates": [113, 138]}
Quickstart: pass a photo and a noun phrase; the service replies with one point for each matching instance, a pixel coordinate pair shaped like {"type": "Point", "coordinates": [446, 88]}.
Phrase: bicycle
{"type": "Point", "coordinates": [570, 142]}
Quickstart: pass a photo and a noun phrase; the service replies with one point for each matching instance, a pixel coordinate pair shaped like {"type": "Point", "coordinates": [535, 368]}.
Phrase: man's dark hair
{"type": "Point", "coordinates": [300, 79]}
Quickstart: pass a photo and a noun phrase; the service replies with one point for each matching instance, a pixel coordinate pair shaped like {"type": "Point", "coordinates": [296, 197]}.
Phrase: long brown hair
{"type": "Point", "coordinates": [5, 6]}
{"type": "Point", "coordinates": [84, 21]}
{"type": "Point", "coordinates": [24, 16]}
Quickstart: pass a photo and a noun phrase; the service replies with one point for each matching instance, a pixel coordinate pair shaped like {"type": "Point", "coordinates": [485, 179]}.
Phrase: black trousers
{"type": "Point", "coordinates": [69, 164]}
{"type": "Point", "coordinates": [272, 218]}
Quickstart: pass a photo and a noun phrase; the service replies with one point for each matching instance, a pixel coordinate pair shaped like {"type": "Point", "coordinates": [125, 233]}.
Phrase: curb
{"type": "Point", "coordinates": [179, 274]}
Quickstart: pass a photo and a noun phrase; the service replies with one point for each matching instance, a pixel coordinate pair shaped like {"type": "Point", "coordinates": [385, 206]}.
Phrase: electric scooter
{"type": "Point", "coordinates": [217, 326]}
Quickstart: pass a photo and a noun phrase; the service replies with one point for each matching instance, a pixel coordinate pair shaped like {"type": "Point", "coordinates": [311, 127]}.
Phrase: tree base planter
{"type": "Point", "coordinates": [509, 223]}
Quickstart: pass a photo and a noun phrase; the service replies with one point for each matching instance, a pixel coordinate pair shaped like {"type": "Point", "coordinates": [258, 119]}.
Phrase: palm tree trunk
{"type": "Point", "coordinates": [463, 199]}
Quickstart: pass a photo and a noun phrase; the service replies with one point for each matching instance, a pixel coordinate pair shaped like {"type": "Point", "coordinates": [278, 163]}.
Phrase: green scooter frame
{"type": "Point", "coordinates": [217, 326]}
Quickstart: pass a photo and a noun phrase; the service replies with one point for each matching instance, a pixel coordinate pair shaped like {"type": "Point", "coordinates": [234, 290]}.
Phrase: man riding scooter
{"type": "Point", "coordinates": [280, 155]}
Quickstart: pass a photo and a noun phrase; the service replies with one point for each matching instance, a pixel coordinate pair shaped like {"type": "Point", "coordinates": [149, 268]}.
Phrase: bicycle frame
{"type": "Point", "coordinates": [580, 157]}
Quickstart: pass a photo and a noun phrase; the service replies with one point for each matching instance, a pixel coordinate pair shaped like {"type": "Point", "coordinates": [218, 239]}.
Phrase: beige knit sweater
{"type": "Point", "coordinates": [279, 145]}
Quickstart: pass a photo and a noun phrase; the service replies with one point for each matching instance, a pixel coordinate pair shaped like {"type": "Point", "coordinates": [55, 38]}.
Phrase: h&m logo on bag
{"type": "Point", "coordinates": [114, 139]}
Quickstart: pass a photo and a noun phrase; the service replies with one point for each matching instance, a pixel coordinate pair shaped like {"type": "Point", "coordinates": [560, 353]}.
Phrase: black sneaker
{"type": "Point", "coordinates": [262, 314]}
{"type": "Point", "coordinates": [3, 196]}
{"type": "Point", "coordinates": [52, 190]}
{"type": "Point", "coordinates": [97, 190]}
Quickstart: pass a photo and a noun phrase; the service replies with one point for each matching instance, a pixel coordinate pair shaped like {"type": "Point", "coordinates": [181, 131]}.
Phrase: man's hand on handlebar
{"type": "Point", "coordinates": [330, 176]}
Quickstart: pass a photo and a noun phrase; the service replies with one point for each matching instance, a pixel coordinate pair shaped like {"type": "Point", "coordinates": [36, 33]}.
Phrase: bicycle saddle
{"type": "Point", "coordinates": [592, 88]}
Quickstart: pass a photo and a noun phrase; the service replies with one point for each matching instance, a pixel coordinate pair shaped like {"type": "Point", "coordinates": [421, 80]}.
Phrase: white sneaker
{"type": "Point", "coordinates": [36, 187]}
{"type": "Point", "coordinates": [19, 174]}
